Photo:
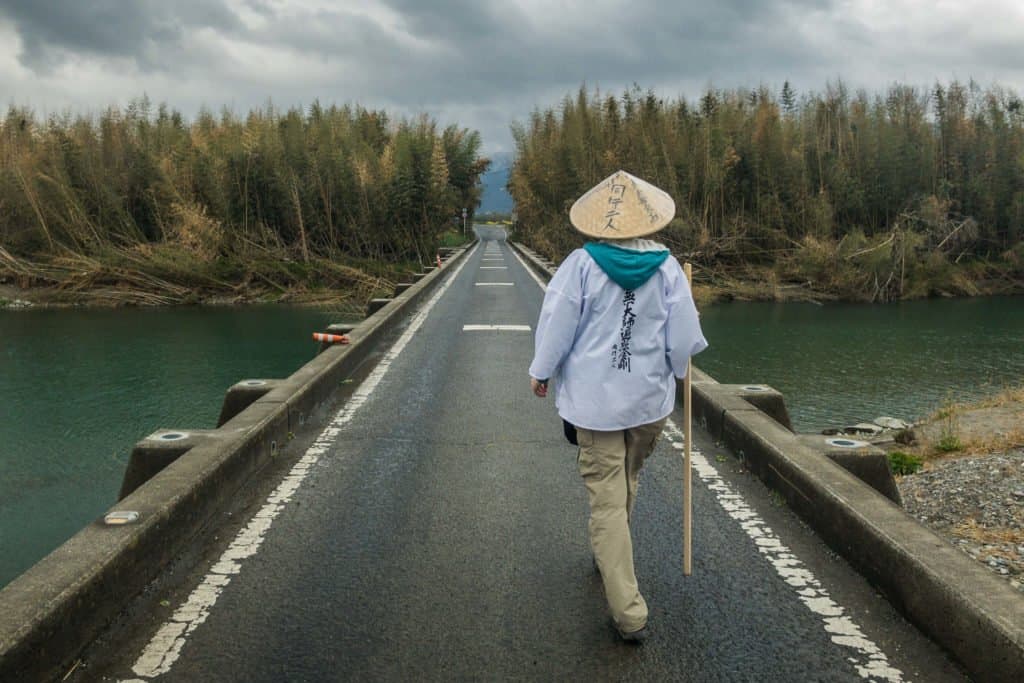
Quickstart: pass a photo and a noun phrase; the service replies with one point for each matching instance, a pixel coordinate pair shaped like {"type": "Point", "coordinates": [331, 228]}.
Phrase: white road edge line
{"type": "Point", "coordinates": [529, 270]}
{"type": "Point", "coordinates": [867, 658]}
{"type": "Point", "coordinates": [165, 647]}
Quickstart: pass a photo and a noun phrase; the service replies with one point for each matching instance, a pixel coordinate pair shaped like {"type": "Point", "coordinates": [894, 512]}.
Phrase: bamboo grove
{"type": "Point", "coordinates": [905, 193]}
{"type": "Point", "coordinates": [277, 197]}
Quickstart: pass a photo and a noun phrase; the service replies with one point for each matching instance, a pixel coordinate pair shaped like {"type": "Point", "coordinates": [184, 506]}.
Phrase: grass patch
{"type": "Point", "coordinates": [949, 409]}
{"type": "Point", "coordinates": [903, 464]}
{"type": "Point", "coordinates": [971, 530]}
{"type": "Point", "coordinates": [999, 442]}
{"type": "Point", "coordinates": [454, 238]}
{"type": "Point", "coordinates": [1008, 396]}
{"type": "Point", "coordinates": [986, 425]}
{"type": "Point", "coordinates": [949, 432]}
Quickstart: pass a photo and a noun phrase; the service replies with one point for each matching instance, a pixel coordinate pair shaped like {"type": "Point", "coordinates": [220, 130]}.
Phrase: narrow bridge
{"type": "Point", "coordinates": [434, 528]}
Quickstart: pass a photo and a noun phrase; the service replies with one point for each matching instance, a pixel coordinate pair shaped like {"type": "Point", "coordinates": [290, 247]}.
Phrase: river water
{"type": "Point", "coordinates": [79, 387]}
{"type": "Point", "coordinates": [845, 363]}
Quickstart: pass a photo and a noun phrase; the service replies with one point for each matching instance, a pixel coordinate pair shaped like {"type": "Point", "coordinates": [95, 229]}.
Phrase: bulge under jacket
{"type": "Point", "coordinates": [616, 350]}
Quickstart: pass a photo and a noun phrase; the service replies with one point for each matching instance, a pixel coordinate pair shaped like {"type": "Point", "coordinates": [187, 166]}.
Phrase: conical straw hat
{"type": "Point", "coordinates": [622, 207]}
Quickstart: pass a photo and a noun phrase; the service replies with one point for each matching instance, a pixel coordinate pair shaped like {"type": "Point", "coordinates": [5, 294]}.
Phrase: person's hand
{"type": "Point", "coordinates": [539, 388]}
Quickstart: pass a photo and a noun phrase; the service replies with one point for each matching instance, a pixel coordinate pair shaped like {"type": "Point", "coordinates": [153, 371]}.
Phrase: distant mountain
{"type": "Point", "coordinates": [495, 196]}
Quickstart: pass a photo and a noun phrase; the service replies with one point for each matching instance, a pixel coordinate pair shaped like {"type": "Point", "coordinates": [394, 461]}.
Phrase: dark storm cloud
{"type": "Point", "coordinates": [479, 48]}
{"type": "Point", "coordinates": [55, 30]}
{"type": "Point", "coordinates": [504, 47]}
{"type": "Point", "coordinates": [485, 63]}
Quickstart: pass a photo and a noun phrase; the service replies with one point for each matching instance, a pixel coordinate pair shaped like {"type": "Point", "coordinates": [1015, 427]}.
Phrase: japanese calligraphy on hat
{"type": "Point", "coordinates": [620, 207]}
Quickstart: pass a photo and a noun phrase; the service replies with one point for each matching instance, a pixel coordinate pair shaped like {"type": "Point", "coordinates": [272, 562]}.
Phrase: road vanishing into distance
{"type": "Point", "coordinates": [434, 528]}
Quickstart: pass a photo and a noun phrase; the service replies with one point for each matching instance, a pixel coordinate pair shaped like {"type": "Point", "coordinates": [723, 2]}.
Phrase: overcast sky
{"type": "Point", "coordinates": [484, 63]}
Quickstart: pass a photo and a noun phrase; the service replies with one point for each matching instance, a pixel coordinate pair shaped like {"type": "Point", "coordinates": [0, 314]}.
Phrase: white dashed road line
{"type": "Point", "coordinates": [495, 284]}
{"type": "Point", "coordinates": [495, 328]}
{"type": "Point", "coordinates": [165, 647]}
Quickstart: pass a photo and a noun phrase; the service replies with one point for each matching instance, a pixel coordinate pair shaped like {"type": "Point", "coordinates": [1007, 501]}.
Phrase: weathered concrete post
{"type": "Point", "coordinates": [243, 394]}
{"type": "Point", "coordinates": [868, 463]}
{"type": "Point", "coordinates": [375, 305]}
{"type": "Point", "coordinates": [157, 451]}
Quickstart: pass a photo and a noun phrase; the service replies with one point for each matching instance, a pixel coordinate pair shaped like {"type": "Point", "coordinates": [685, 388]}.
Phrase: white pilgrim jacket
{"type": "Point", "coordinates": [614, 353]}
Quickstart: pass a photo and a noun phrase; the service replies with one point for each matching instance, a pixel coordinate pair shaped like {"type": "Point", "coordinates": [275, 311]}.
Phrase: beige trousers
{"type": "Point", "coordinates": [610, 463]}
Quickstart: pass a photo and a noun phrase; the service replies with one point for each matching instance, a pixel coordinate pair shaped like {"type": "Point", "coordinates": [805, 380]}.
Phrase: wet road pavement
{"type": "Point", "coordinates": [438, 532]}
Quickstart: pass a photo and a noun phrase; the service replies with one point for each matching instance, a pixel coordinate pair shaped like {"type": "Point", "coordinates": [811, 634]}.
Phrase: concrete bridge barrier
{"type": "Point", "coordinates": [53, 610]}
{"type": "Point", "coordinates": [851, 502]}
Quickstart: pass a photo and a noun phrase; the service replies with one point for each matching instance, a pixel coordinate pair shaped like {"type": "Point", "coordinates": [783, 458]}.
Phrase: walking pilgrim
{"type": "Point", "coordinates": [617, 327]}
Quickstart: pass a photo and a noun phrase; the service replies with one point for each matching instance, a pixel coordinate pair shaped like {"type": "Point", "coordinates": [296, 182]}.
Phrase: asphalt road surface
{"type": "Point", "coordinates": [436, 530]}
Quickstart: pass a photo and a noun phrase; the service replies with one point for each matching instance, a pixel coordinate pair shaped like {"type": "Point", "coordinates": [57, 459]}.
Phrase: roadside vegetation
{"type": "Point", "coordinates": [964, 475]}
{"type": "Point", "coordinates": [784, 195]}
{"type": "Point", "coordinates": [904, 463]}
{"type": "Point", "coordinates": [455, 238]}
{"type": "Point", "coordinates": [141, 206]}
{"type": "Point", "coordinates": [989, 425]}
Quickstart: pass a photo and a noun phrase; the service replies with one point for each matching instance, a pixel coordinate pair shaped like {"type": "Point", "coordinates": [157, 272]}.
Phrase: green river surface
{"type": "Point", "coordinates": [80, 387]}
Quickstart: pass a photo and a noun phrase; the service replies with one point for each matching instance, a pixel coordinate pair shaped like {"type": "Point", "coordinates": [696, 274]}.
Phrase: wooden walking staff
{"type": "Point", "coordinates": [687, 502]}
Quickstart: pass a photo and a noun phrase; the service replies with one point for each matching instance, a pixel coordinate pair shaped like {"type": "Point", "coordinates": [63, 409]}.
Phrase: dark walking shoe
{"type": "Point", "coordinates": [637, 636]}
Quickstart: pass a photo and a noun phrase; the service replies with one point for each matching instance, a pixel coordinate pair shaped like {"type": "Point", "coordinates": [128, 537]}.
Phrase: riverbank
{"type": "Point", "coordinates": [94, 288]}
{"type": "Point", "coordinates": [823, 270]}
{"type": "Point", "coordinates": [786, 283]}
{"type": "Point", "coordinates": [170, 273]}
{"type": "Point", "coordinates": [16, 298]}
{"type": "Point", "coordinates": [970, 487]}
{"type": "Point", "coordinates": [162, 275]}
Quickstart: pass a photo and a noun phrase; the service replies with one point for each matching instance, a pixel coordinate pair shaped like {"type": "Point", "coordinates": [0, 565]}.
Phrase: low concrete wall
{"type": "Point", "coordinates": [976, 616]}
{"type": "Point", "coordinates": [53, 610]}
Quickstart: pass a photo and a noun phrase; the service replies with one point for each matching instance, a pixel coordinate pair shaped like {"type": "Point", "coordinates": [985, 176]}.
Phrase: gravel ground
{"type": "Point", "coordinates": [977, 502]}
